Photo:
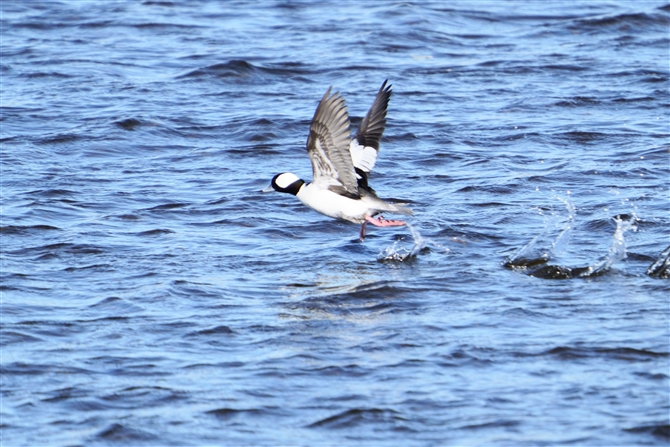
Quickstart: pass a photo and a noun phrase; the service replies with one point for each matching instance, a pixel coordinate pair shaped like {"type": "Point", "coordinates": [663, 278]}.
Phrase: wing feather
{"type": "Point", "coordinates": [364, 147]}
{"type": "Point", "coordinates": [328, 146]}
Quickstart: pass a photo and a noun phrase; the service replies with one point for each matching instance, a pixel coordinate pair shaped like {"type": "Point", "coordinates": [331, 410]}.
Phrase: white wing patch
{"type": "Point", "coordinates": [363, 157]}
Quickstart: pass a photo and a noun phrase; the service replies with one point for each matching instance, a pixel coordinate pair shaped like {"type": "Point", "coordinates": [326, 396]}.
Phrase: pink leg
{"type": "Point", "coordinates": [381, 222]}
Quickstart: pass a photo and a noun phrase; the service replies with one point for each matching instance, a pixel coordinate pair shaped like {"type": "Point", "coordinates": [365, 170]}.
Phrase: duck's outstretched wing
{"type": "Point", "coordinates": [328, 146]}
{"type": "Point", "coordinates": [364, 146]}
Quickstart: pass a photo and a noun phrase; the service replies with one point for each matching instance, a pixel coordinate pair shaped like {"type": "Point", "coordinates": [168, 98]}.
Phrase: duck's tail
{"type": "Point", "coordinates": [401, 208]}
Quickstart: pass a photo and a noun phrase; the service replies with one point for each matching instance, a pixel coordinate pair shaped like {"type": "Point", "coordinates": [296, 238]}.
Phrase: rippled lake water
{"type": "Point", "coordinates": [151, 295]}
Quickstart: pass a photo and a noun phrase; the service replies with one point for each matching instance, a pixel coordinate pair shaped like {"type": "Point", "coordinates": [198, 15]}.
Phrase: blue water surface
{"type": "Point", "coordinates": [151, 295]}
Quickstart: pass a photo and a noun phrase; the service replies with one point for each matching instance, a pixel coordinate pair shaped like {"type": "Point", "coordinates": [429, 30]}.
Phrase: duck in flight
{"type": "Point", "coordinates": [341, 164]}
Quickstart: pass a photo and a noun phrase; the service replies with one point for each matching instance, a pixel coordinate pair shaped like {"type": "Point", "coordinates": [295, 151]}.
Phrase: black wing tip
{"type": "Point", "coordinates": [386, 88]}
{"type": "Point", "coordinates": [385, 92]}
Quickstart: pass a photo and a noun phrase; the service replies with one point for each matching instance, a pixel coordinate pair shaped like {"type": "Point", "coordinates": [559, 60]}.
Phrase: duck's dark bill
{"type": "Point", "coordinates": [269, 188]}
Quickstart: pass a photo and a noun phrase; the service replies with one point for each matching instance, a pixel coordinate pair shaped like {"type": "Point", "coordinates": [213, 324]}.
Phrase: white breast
{"type": "Point", "coordinates": [332, 204]}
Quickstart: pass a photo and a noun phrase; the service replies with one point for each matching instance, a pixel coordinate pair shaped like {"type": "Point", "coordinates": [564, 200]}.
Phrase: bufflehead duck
{"type": "Point", "coordinates": [341, 164]}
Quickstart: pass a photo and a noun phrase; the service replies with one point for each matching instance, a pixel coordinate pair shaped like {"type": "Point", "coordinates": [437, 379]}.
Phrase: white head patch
{"type": "Point", "coordinates": [286, 179]}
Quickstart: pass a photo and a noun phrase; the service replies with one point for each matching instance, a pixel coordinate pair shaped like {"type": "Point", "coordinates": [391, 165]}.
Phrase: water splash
{"type": "Point", "coordinates": [534, 253]}
{"type": "Point", "coordinates": [560, 244]}
{"type": "Point", "coordinates": [398, 252]}
{"type": "Point", "coordinates": [617, 250]}
{"type": "Point", "coordinates": [529, 254]}
{"type": "Point", "coordinates": [529, 259]}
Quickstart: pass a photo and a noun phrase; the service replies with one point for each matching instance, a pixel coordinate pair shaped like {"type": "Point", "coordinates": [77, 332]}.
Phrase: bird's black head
{"type": "Point", "coordinates": [285, 182]}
